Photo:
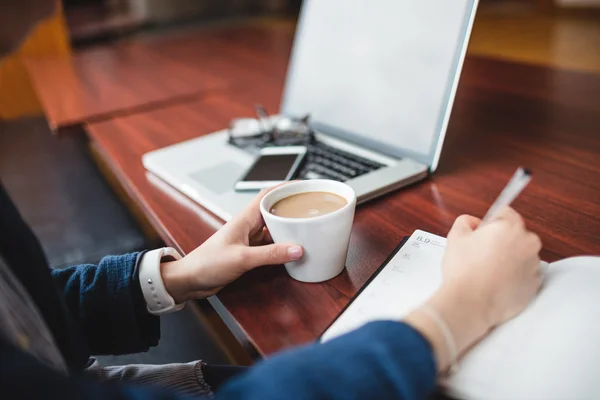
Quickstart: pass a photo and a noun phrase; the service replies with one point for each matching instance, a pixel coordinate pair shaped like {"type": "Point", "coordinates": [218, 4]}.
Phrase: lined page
{"type": "Point", "coordinates": [407, 281]}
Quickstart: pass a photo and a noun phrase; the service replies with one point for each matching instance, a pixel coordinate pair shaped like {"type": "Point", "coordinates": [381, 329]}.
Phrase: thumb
{"type": "Point", "coordinates": [463, 225]}
{"type": "Point", "coordinates": [272, 254]}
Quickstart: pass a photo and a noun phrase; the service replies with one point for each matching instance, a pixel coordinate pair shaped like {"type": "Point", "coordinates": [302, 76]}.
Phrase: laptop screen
{"type": "Point", "coordinates": [381, 73]}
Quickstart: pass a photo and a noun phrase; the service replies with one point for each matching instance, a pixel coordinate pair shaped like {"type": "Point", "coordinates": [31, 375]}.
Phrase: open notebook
{"type": "Point", "coordinates": [550, 351]}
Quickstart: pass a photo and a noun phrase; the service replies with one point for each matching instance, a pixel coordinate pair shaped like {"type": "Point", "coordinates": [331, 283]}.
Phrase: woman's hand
{"type": "Point", "coordinates": [239, 246]}
{"type": "Point", "coordinates": [490, 275]}
{"type": "Point", "coordinates": [497, 266]}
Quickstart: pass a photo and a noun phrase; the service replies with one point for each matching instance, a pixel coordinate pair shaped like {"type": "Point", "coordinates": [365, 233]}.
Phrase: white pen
{"type": "Point", "coordinates": [510, 192]}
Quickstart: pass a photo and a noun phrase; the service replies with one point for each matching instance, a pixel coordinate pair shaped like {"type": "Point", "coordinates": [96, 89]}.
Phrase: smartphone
{"type": "Point", "coordinates": [274, 165]}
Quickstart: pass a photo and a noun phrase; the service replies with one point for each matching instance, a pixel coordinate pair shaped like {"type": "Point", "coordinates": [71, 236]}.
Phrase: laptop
{"type": "Point", "coordinates": [378, 80]}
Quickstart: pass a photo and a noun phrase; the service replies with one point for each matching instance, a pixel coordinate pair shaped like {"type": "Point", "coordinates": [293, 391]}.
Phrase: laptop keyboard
{"type": "Point", "coordinates": [326, 162]}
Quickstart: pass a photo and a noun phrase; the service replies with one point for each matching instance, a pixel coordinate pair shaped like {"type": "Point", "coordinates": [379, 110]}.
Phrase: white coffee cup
{"type": "Point", "coordinates": [325, 238]}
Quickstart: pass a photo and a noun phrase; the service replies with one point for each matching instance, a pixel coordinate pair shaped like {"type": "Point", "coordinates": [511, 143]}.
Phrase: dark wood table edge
{"type": "Point", "coordinates": [67, 127]}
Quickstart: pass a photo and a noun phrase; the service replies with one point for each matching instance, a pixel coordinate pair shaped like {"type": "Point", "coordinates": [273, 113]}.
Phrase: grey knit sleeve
{"type": "Point", "coordinates": [184, 378]}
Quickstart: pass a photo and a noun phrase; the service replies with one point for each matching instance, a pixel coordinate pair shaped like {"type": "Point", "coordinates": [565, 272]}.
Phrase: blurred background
{"type": "Point", "coordinates": [565, 33]}
{"type": "Point", "coordinates": [559, 33]}
{"type": "Point", "coordinates": [92, 19]}
{"type": "Point", "coordinates": [75, 207]}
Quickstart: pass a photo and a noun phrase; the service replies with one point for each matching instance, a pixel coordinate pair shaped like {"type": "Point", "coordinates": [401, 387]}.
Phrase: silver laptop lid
{"type": "Point", "coordinates": [381, 73]}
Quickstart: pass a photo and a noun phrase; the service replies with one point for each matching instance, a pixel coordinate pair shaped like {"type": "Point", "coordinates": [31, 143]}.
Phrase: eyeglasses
{"type": "Point", "coordinates": [267, 131]}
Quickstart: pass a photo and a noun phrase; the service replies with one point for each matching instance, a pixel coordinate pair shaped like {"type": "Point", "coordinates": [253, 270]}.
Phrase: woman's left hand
{"type": "Point", "coordinates": [239, 246]}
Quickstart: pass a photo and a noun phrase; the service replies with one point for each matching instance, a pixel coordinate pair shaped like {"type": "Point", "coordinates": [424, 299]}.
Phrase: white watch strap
{"type": "Point", "coordinates": [157, 298]}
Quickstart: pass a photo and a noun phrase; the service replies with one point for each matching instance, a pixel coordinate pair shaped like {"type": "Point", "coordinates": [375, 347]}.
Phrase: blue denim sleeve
{"type": "Point", "coordinates": [381, 360]}
{"type": "Point", "coordinates": [107, 302]}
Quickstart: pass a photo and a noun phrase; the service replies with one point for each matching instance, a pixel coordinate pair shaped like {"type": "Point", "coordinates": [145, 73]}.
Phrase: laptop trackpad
{"type": "Point", "coordinates": [219, 178]}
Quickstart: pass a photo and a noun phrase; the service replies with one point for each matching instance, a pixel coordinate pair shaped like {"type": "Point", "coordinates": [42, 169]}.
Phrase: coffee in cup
{"type": "Point", "coordinates": [317, 215]}
{"type": "Point", "coordinates": [308, 205]}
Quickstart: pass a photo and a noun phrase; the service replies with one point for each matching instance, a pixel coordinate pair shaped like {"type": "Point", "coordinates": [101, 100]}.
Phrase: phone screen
{"type": "Point", "coordinates": [274, 167]}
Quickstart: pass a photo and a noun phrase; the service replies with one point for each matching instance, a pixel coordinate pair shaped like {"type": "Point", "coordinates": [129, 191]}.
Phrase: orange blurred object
{"type": "Point", "coordinates": [17, 97]}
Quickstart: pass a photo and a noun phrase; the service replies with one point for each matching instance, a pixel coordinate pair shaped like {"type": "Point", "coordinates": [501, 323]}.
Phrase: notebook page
{"type": "Point", "coordinates": [407, 281]}
{"type": "Point", "coordinates": [551, 351]}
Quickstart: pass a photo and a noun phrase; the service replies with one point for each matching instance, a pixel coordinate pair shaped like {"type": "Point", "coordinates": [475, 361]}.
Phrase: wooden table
{"type": "Point", "coordinates": [150, 72]}
{"type": "Point", "coordinates": [505, 115]}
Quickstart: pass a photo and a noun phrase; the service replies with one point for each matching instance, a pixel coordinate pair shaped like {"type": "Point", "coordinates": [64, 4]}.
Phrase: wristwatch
{"type": "Point", "coordinates": [158, 300]}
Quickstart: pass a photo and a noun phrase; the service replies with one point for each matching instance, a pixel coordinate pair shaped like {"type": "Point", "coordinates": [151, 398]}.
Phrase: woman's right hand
{"type": "Point", "coordinates": [496, 266]}
{"type": "Point", "coordinates": [490, 274]}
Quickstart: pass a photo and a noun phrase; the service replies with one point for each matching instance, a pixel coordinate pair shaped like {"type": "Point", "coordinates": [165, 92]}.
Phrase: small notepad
{"type": "Point", "coordinates": [550, 351]}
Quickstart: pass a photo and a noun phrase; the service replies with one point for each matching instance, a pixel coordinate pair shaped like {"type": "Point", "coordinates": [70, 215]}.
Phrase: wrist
{"type": "Point", "coordinates": [466, 316]}
{"type": "Point", "coordinates": [176, 280]}
{"type": "Point", "coordinates": [158, 280]}
{"type": "Point", "coordinates": [451, 323]}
